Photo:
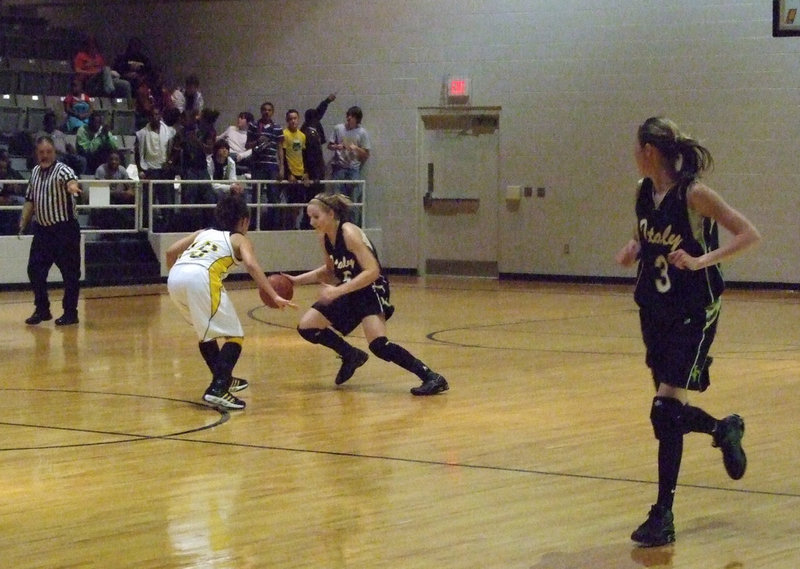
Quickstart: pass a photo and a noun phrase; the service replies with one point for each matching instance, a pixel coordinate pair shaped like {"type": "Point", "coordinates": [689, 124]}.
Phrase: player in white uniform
{"type": "Point", "coordinates": [198, 263]}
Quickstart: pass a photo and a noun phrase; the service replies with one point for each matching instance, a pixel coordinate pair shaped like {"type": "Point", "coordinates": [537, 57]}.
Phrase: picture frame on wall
{"type": "Point", "coordinates": [785, 18]}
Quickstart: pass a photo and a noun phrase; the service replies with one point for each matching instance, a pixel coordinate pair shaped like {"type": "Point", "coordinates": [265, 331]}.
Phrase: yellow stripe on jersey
{"type": "Point", "coordinates": [215, 272]}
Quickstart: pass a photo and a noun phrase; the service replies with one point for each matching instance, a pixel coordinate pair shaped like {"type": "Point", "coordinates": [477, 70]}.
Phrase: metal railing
{"type": "Point", "coordinates": [95, 203]}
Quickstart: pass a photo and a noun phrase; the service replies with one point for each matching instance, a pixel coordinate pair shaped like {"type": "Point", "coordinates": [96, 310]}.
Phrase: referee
{"type": "Point", "coordinates": [56, 233]}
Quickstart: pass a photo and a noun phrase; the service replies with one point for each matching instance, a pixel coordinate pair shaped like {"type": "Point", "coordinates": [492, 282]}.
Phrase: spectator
{"type": "Point", "coordinates": [65, 152]}
{"type": "Point", "coordinates": [77, 106]}
{"type": "Point", "coordinates": [112, 169]}
{"type": "Point", "coordinates": [151, 151]}
{"type": "Point", "coordinates": [313, 157]}
{"type": "Point", "coordinates": [265, 138]}
{"type": "Point", "coordinates": [294, 146]}
{"type": "Point", "coordinates": [189, 158]}
{"type": "Point", "coordinates": [98, 79]}
{"type": "Point", "coordinates": [222, 167]}
{"type": "Point", "coordinates": [10, 194]}
{"type": "Point", "coordinates": [207, 130]}
{"type": "Point", "coordinates": [95, 141]}
{"type": "Point", "coordinates": [189, 97]}
{"type": "Point", "coordinates": [313, 117]}
{"type": "Point", "coordinates": [149, 94]}
{"type": "Point", "coordinates": [236, 137]}
{"type": "Point", "coordinates": [122, 193]}
{"type": "Point", "coordinates": [351, 146]}
{"type": "Point", "coordinates": [132, 64]}
{"type": "Point", "coordinates": [56, 233]}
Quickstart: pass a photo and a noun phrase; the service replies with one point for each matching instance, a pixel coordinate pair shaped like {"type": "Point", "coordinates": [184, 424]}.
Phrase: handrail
{"type": "Point", "coordinates": [143, 220]}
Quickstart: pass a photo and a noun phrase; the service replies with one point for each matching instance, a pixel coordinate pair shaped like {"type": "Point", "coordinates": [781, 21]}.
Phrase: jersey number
{"type": "Point", "coordinates": [662, 280]}
{"type": "Point", "coordinates": [203, 249]}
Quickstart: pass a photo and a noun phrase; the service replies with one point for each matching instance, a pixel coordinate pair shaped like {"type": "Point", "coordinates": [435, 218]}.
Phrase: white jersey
{"type": "Point", "coordinates": [195, 286]}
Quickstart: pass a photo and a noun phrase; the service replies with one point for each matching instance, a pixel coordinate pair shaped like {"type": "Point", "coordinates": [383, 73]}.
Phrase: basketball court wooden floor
{"type": "Point", "coordinates": [540, 456]}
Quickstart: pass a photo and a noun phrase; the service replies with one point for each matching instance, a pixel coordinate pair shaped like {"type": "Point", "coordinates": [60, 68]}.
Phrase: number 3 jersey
{"type": "Point", "coordinates": [670, 226]}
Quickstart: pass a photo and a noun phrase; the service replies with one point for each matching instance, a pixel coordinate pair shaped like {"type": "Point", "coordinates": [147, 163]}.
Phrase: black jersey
{"type": "Point", "coordinates": [345, 263]}
{"type": "Point", "coordinates": [663, 229]}
{"type": "Point", "coordinates": [346, 312]}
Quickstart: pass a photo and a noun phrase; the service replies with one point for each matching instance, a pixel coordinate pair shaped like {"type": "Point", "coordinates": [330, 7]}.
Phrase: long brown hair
{"type": "Point", "coordinates": [686, 157]}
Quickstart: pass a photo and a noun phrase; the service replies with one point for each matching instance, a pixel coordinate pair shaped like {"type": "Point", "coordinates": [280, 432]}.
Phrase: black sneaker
{"type": "Point", "coordinates": [350, 364]}
{"type": "Point", "coordinates": [658, 529]}
{"type": "Point", "coordinates": [38, 317]}
{"type": "Point", "coordinates": [222, 399]}
{"type": "Point", "coordinates": [728, 437]}
{"type": "Point", "coordinates": [238, 384]}
{"type": "Point", "coordinates": [432, 385]}
{"type": "Point", "coordinates": [67, 320]}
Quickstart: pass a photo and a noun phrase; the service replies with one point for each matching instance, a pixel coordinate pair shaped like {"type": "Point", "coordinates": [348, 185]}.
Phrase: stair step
{"type": "Point", "coordinates": [127, 260]}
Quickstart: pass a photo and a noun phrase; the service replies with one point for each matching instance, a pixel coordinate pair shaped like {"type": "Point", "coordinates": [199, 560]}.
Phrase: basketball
{"type": "Point", "coordinates": [282, 285]}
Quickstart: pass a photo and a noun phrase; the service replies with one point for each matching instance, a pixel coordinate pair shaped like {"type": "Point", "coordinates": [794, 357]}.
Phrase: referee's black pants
{"type": "Point", "coordinates": [59, 244]}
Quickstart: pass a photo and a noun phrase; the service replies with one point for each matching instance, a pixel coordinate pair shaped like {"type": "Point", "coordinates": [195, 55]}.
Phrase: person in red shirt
{"type": "Point", "coordinates": [97, 77]}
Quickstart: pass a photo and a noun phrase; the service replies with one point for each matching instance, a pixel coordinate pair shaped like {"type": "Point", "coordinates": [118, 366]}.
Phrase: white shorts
{"type": "Point", "coordinates": [208, 309]}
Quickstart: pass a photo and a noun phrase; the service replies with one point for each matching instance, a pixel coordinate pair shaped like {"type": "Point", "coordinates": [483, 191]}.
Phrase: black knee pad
{"type": "Point", "coordinates": [666, 417]}
{"type": "Point", "coordinates": [380, 347]}
{"type": "Point", "coordinates": [310, 334]}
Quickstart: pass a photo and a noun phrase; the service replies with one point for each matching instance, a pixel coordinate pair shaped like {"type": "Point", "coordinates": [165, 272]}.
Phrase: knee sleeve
{"type": "Point", "coordinates": [380, 347]}
{"type": "Point", "coordinates": [666, 417]}
{"type": "Point", "coordinates": [310, 334]}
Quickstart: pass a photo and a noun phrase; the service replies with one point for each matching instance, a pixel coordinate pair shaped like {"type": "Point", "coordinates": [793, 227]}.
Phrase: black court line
{"type": "Point", "coordinates": [494, 468]}
{"type": "Point", "coordinates": [128, 437]}
{"type": "Point", "coordinates": [225, 415]}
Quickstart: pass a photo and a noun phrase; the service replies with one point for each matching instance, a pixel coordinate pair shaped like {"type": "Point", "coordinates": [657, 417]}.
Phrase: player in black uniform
{"type": "Point", "coordinates": [678, 291]}
{"type": "Point", "coordinates": [353, 292]}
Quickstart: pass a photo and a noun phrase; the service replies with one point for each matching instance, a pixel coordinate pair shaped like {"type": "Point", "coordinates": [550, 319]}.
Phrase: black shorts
{"type": "Point", "coordinates": [346, 312]}
{"type": "Point", "coordinates": [678, 344]}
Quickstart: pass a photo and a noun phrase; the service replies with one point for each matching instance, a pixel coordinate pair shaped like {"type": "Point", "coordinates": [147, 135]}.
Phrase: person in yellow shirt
{"type": "Point", "coordinates": [294, 145]}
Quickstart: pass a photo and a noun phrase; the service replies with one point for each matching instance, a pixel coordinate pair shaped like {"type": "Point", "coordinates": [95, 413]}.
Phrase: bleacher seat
{"type": "Point", "coordinates": [32, 79]}
{"type": "Point", "coordinates": [125, 144]}
{"type": "Point", "coordinates": [35, 109]}
{"type": "Point", "coordinates": [9, 79]}
{"type": "Point", "coordinates": [11, 115]}
{"type": "Point", "coordinates": [60, 72]}
{"type": "Point", "coordinates": [18, 43]}
{"type": "Point", "coordinates": [121, 103]}
{"type": "Point", "coordinates": [18, 163]}
{"type": "Point", "coordinates": [105, 110]}
{"type": "Point", "coordinates": [56, 104]}
{"type": "Point", "coordinates": [124, 121]}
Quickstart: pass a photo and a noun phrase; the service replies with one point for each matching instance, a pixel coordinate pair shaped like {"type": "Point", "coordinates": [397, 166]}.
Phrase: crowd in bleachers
{"type": "Point", "coordinates": [96, 108]}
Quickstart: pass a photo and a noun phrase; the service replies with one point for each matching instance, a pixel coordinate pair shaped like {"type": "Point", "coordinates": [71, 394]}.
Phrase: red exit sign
{"type": "Point", "coordinates": [457, 88]}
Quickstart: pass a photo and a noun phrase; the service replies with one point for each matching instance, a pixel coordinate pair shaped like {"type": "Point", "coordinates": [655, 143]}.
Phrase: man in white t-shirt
{"type": "Point", "coordinates": [351, 148]}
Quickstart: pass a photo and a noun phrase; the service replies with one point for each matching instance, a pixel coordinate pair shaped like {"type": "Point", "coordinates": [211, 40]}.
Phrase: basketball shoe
{"type": "Point", "coordinates": [728, 437]}
{"type": "Point", "coordinates": [433, 384]}
{"type": "Point", "coordinates": [658, 529]}
{"type": "Point", "coordinates": [222, 398]}
{"type": "Point", "coordinates": [238, 384]}
{"type": "Point", "coordinates": [350, 363]}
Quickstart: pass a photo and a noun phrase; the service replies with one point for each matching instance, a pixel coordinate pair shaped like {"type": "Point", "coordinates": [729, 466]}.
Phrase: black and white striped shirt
{"type": "Point", "coordinates": [47, 189]}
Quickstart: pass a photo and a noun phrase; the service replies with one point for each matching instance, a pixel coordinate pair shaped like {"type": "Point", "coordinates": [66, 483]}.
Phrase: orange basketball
{"type": "Point", "coordinates": [282, 285]}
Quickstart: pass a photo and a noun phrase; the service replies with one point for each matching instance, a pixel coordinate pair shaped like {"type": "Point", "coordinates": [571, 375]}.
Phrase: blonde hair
{"type": "Point", "coordinates": [338, 203]}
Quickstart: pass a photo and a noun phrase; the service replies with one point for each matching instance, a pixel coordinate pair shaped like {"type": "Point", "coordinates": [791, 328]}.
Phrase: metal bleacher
{"type": "Point", "coordinates": [31, 78]}
{"type": "Point", "coordinates": [11, 115]}
{"type": "Point", "coordinates": [35, 108]}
